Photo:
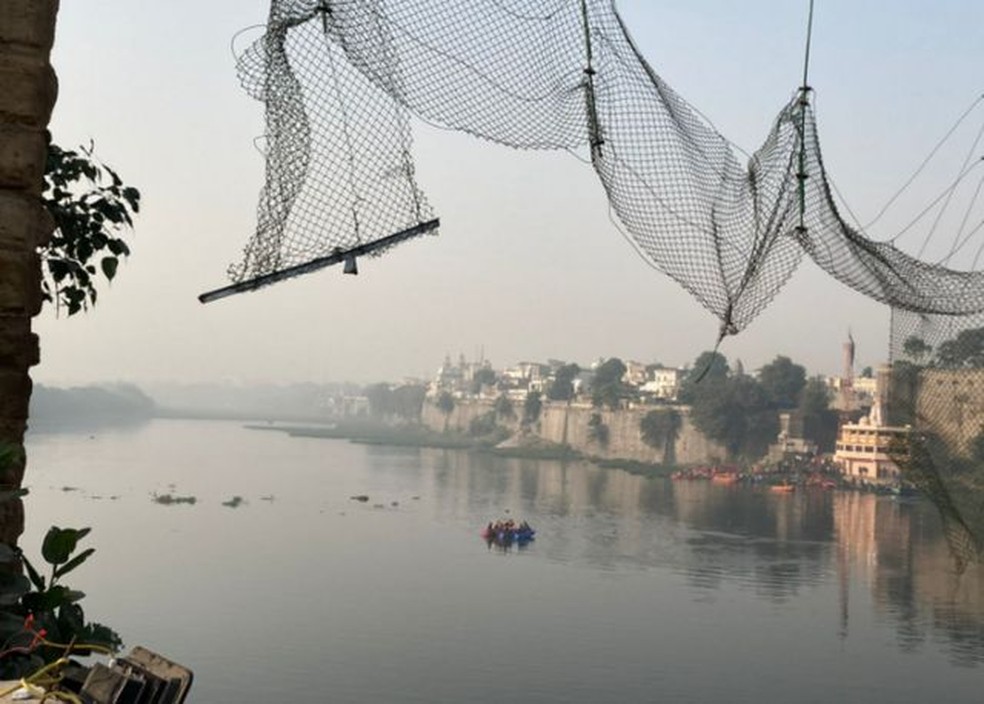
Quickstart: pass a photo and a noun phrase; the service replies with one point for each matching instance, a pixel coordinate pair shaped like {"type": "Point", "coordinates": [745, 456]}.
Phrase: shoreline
{"type": "Point", "coordinates": [421, 436]}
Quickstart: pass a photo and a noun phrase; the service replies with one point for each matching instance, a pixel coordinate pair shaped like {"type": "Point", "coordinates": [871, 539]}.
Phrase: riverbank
{"type": "Point", "coordinates": [522, 447]}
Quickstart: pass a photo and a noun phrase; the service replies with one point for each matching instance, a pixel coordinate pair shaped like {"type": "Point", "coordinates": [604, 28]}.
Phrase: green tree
{"type": "Point", "coordinates": [709, 367]}
{"type": "Point", "coordinates": [92, 209]}
{"type": "Point", "coordinates": [532, 407]}
{"type": "Point", "coordinates": [408, 401]}
{"type": "Point", "coordinates": [783, 380]}
{"type": "Point", "coordinates": [504, 407]}
{"type": "Point", "coordinates": [660, 430]}
{"type": "Point", "coordinates": [482, 425]}
{"type": "Point", "coordinates": [736, 412]}
{"type": "Point", "coordinates": [380, 399]}
{"type": "Point", "coordinates": [483, 377]}
{"type": "Point", "coordinates": [917, 349]}
{"type": "Point", "coordinates": [607, 389]}
{"type": "Point", "coordinates": [819, 421]}
{"type": "Point", "coordinates": [597, 430]}
{"type": "Point", "coordinates": [562, 386]}
{"type": "Point", "coordinates": [965, 350]}
{"type": "Point", "coordinates": [445, 403]}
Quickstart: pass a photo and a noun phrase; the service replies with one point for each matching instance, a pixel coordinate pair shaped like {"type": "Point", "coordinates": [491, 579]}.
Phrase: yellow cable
{"type": "Point", "coordinates": [79, 646]}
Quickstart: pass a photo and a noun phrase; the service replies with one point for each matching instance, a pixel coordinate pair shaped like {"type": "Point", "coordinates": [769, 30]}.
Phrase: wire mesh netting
{"type": "Point", "coordinates": [340, 78]}
{"type": "Point", "coordinates": [339, 169]}
{"type": "Point", "coordinates": [937, 389]}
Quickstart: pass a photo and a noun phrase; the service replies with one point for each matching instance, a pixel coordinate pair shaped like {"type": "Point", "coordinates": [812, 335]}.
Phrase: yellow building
{"type": "Point", "coordinates": [864, 450]}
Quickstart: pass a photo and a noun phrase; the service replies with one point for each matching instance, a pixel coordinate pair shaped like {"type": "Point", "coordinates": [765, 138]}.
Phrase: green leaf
{"type": "Point", "coordinates": [109, 265]}
{"type": "Point", "coordinates": [71, 619]}
{"type": "Point", "coordinates": [36, 579]}
{"type": "Point", "coordinates": [118, 247]}
{"type": "Point", "coordinates": [74, 562]}
{"type": "Point", "coordinates": [60, 543]}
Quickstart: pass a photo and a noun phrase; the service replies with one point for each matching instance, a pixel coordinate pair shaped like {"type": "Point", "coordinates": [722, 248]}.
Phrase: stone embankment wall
{"type": "Point", "coordinates": [564, 424]}
{"type": "Point", "coordinates": [951, 404]}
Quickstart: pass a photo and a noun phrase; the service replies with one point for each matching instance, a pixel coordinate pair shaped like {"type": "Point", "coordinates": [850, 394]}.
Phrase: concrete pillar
{"type": "Point", "coordinates": [28, 89]}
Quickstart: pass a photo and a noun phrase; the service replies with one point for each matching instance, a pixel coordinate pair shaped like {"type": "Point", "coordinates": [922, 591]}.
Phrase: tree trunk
{"type": "Point", "coordinates": [27, 95]}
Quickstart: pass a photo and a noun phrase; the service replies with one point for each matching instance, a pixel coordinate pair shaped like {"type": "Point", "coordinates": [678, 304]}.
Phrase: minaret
{"type": "Point", "coordinates": [847, 380]}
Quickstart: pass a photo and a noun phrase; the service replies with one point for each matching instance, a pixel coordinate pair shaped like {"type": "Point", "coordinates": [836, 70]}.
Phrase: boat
{"type": "Point", "coordinates": [782, 488]}
{"type": "Point", "coordinates": [506, 536]}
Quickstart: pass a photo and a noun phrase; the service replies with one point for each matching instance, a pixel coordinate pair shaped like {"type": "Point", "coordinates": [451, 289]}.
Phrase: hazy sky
{"type": "Point", "coordinates": [527, 265]}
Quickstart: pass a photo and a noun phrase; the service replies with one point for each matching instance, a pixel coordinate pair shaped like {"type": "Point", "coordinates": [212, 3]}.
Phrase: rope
{"type": "Point", "coordinates": [924, 162]}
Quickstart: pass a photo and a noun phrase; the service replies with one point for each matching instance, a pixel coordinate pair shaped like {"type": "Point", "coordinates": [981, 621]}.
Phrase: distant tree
{"type": "Point", "coordinates": [532, 407]}
{"type": "Point", "coordinates": [562, 387]}
{"type": "Point", "coordinates": [445, 403]}
{"type": "Point", "coordinates": [867, 373]}
{"type": "Point", "coordinates": [709, 367]}
{"type": "Point", "coordinates": [408, 401]}
{"type": "Point", "coordinates": [917, 348]}
{"type": "Point", "coordinates": [903, 393]}
{"type": "Point", "coordinates": [92, 209]}
{"type": "Point", "coordinates": [597, 430]}
{"type": "Point", "coordinates": [482, 425]}
{"type": "Point", "coordinates": [819, 421]}
{"type": "Point", "coordinates": [504, 407]}
{"type": "Point", "coordinates": [608, 389]}
{"type": "Point", "coordinates": [483, 377]}
{"type": "Point", "coordinates": [660, 430]}
{"type": "Point", "coordinates": [783, 381]}
{"type": "Point", "coordinates": [380, 398]}
{"type": "Point", "coordinates": [965, 350]}
{"type": "Point", "coordinates": [736, 412]}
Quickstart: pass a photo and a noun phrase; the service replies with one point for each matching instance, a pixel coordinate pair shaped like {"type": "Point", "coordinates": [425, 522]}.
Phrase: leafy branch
{"type": "Point", "coordinates": [92, 209]}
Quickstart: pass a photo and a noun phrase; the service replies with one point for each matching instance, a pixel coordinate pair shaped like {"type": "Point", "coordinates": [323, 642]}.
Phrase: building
{"type": "Point", "coordinates": [865, 450]}
{"type": "Point", "coordinates": [790, 442]}
{"type": "Point", "coordinates": [664, 383]}
{"type": "Point", "coordinates": [635, 373]}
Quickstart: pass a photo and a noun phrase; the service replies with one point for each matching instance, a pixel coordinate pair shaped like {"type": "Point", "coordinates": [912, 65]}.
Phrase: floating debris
{"type": "Point", "coordinates": [394, 503]}
{"type": "Point", "coordinates": [360, 497]}
{"type": "Point", "coordinates": [70, 488]}
{"type": "Point", "coordinates": [269, 497]}
{"type": "Point", "coordinates": [234, 502]}
{"type": "Point", "coordinates": [171, 499]}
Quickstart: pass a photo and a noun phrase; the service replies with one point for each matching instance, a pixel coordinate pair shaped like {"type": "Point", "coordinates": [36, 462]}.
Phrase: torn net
{"type": "Point", "coordinates": [339, 77]}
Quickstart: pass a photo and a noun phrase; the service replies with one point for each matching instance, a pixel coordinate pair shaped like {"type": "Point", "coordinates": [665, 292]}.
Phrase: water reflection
{"type": "Point", "coordinates": [890, 551]}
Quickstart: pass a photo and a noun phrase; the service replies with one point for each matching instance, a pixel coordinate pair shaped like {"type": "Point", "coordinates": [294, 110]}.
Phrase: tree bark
{"type": "Point", "coordinates": [28, 89]}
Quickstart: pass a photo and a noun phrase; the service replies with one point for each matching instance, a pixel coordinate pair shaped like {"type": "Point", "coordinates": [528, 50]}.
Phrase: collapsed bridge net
{"type": "Point", "coordinates": [937, 389]}
{"type": "Point", "coordinates": [338, 77]}
{"type": "Point", "coordinates": [339, 171]}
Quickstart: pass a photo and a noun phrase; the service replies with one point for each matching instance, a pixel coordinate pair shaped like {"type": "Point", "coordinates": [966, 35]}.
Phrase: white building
{"type": "Point", "coordinates": [865, 450]}
{"type": "Point", "coordinates": [664, 383]}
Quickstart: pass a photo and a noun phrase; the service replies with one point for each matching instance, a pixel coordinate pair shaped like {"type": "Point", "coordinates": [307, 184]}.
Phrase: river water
{"type": "Point", "coordinates": [634, 590]}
